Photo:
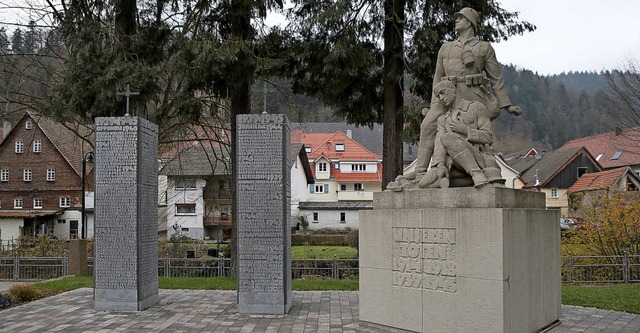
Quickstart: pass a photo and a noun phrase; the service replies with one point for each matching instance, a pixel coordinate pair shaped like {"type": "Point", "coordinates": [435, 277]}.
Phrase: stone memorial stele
{"type": "Point", "coordinates": [447, 248]}
{"type": "Point", "coordinates": [126, 239]}
{"type": "Point", "coordinates": [263, 236]}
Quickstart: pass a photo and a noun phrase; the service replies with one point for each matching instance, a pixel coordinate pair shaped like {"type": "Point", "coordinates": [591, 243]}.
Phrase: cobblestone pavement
{"type": "Point", "coordinates": [215, 311]}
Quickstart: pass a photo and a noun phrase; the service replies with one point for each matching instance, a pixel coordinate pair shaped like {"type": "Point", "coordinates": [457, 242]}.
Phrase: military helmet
{"type": "Point", "coordinates": [470, 14]}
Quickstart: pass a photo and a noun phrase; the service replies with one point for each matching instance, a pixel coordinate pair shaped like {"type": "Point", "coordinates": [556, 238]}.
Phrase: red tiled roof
{"type": "Point", "coordinates": [607, 144]}
{"type": "Point", "coordinates": [353, 151]}
{"type": "Point", "coordinates": [598, 180]}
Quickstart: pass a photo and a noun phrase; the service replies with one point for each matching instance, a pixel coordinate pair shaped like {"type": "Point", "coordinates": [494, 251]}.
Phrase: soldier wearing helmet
{"type": "Point", "coordinates": [470, 64]}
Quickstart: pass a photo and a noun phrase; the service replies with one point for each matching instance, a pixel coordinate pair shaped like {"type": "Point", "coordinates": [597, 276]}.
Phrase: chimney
{"type": "Point", "coordinates": [349, 134]}
{"type": "Point", "coordinates": [618, 130]}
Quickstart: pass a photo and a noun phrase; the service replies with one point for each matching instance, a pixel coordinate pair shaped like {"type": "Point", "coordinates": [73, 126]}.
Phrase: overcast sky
{"type": "Point", "coordinates": [573, 35]}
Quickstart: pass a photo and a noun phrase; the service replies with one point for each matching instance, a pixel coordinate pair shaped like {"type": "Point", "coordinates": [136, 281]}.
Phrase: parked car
{"type": "Point", "coordinates": [567, 223]}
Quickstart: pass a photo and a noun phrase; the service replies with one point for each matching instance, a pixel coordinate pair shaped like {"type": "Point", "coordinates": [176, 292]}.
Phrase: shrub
{"type": "Point", "coordinates": [353, 239]}
{"type": "Point", "coordinates": [22, 293]}
{"type": "Point", "coordinates": [304, 222]}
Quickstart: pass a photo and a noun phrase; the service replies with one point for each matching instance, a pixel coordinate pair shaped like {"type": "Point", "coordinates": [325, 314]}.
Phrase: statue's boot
{"type": "Point", "coordinates": [467, 161]}
{"type": "Point", "coordinates": [493, 176]}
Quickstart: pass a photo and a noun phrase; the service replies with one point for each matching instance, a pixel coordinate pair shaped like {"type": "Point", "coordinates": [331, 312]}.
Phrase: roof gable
{"type": "Point", "coordinates": [551, 164]}
{"type": "Point", "coordinates": [71, 141]}
{"type": "Point", "coordinates": [353, 151]}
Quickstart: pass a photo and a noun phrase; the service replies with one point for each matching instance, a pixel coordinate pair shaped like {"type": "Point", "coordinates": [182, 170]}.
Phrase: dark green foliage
{"type": "Point", "coordinates": [337, 240]}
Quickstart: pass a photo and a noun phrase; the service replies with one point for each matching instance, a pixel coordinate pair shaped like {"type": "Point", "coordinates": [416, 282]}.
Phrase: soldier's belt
{"type": "Point", "coordinates": [469, 80]}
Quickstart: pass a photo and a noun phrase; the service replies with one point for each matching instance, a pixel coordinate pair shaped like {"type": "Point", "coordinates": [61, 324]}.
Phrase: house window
{"type": "Point", "coordinates": [581, 171]}
{"type": "Point", "coordinates": [17, 203]}
{"type": "Point", "coordinates": [37, 203]}
{"type": "Point", "coordinates": [307, 149]}
{"type": "Point", "coordinates": [37, 146]}
{"type": "Point", "coordinates": [343, 217]}
{"type": "Point", "coordinates": [65, 202]}
{"type": "Point", "coordinates": [343, 187]}
{"type": "Point", "coordinates": [358, 187]}
{"type": "Point", "coordinates": [28, 124]}
{"type": "Point", "coordinates": [319, 188]}
{"type": "Point", "coordinates": [184, 229]}
{"type": "Point", "coordinates": [322, 166]}
{"type": "Point", "coordinates": [336, 165]}
{"type": "Point", "coordinates": [4, 175]}
{"type": "Point", "coordinates": [19, 147]}
{"type": "Point", "coordinates": [315, 217]}
{"type": "Point", "coordinates": [26, 175]}
{"type": "Point", "coordinates": [186, 209]}
{"type": "Point", "coordinates": [62, 221]}
{"type": "Point", "coordinates": [554, 193]}
{"type": "Point", "coordinates": [51, 175]}
{"type": "Point", "coordinates": [339, 146]}
{"type": "Point", "coordinates": [185, 184]}
{"type": "Point", "coordinates": [358, 167]}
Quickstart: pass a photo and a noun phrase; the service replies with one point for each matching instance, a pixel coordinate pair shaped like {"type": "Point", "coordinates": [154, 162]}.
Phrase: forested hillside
{"type": "Point", "coordinates": [556, 108]}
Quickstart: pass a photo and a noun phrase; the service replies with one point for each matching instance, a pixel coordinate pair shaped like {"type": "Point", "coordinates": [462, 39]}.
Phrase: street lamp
{"type": "Point", "coordinates": [87, 158]}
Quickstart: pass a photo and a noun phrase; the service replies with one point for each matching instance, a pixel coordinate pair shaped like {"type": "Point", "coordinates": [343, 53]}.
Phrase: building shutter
{"type": "Point", "coordinates": [326, 188]}
{"type": "Point", "coordinates": [312, 188]}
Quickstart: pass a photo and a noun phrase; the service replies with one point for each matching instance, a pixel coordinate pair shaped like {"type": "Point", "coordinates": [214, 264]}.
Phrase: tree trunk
{"type": "Point", "coordinates": [393, 72]}
{"type": "Point", "coordinates": [240, 93]}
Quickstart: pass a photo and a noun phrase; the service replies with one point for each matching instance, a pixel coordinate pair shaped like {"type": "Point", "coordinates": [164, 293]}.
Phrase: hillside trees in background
{"type": "Point", "coordinates": [555, 111]}
{"type": "Point", "coordinates": [340, 60]}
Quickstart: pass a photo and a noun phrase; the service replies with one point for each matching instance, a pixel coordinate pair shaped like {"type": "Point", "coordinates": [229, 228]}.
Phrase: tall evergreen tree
{"type": "Point", "coordinates": [340, 60]}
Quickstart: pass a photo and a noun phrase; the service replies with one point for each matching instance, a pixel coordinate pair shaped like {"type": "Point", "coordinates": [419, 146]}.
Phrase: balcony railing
{"type": "Point", "coordinates": [355, 196]}
{"type": "Point", "coordinates": [216, 193]}
{"type": "Point", "coordinates": [213, 221]}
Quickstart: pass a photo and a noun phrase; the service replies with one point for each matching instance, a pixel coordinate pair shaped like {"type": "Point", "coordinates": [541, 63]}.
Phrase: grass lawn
{"type": "Point", "coordinates": [618, 297]}
{"type": "Point", "coordinates": [323, 252]}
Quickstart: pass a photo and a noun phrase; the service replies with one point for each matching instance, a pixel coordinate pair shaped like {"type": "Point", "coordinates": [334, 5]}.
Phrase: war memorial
{"type": "Point", "coordinates": [447, 248]}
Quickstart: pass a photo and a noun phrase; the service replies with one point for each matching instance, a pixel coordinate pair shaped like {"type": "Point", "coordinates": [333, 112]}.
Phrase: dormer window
{"type": "Point", "coordinates": [339, 146]}
{"type": "Point", "coordinates": [28, 125]}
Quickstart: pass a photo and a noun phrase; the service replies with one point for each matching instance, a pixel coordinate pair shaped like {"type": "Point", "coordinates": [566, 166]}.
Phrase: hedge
{"type": "Point", "coordinates": [322, 240]}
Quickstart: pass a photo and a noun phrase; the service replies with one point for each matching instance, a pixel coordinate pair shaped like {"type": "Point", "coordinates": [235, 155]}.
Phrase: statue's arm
{"type": "Point", "coordinates": [483, 133]}
{"type": "Point", "coordinates": [492, 69]}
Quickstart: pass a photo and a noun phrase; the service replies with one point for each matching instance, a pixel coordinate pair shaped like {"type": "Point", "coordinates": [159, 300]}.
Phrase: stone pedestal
{"type": "Point", "coordinates": [126, 238]}
{"type": "Point", "coordinates": [264, 211]}
{"type": "Point", "coordinates": [460, 260]}
{"type": "Point", "coordinates": [78, 257]}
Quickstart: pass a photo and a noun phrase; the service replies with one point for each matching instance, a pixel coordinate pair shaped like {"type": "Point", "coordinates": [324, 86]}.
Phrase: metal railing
{"type": "Point", "coordinates": [574, 269]}
{"type": "Point", "coordinates": [600, 269]}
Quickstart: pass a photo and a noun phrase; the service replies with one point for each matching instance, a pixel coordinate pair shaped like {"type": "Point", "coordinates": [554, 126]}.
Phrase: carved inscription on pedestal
{"type": "Point", "coordinates": [424, 258]}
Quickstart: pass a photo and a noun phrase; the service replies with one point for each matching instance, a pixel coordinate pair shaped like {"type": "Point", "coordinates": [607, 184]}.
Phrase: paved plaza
{"type": "Point", "coordinates": [215, 311]}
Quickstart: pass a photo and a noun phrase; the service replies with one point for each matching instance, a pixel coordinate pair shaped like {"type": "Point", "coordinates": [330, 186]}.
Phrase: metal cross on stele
{"type": "Point", "coordinates": [127, 93]}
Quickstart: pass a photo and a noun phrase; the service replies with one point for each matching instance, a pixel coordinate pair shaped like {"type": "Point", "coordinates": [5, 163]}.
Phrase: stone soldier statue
{"type": "Point", "coordinates": [462, 143]}
{"type": "Point", "coordinates": [471, 65]}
